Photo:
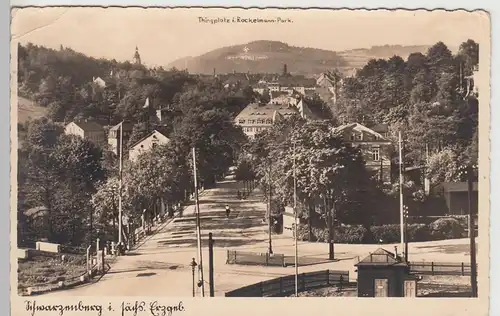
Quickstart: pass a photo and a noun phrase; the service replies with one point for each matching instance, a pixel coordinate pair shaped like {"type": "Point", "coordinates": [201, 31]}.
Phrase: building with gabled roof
{"type": "Point", "coordinates": [385, 274]}
{"type": "Point", "coordinates": [153, 139]}
{"type": "Point", "coordinates": [90, 130]}
{"type": "Point", "coordinates": [377, 150]}
{"type": "Point", "coordinates": [114, 136]}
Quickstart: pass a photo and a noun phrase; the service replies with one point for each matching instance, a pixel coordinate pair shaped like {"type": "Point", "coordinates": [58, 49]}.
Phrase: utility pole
{"type": "Point", "coordinates": [211, 264]}
{"type": "Point", "coordinates": [296, 224]}
{"type": "Point", "coordinates": [198, 228]}
{"type": "Point", "coordinates": [401, 202]}
{"type": "Point", "coordinates": [406, 233]}
{"type": "Point", "coordinates": [120, 215]}
{"type": "Point", "coordinates": [472, 232]}
{"type": "Point", "coordinates": [269, 219]}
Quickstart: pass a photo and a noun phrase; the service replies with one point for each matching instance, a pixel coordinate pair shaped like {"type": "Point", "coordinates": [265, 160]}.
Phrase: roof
{"type": "Point", "coordinates": [297, 82]}
{"type": "Point", "coordinates": [256, 110]}
{"type": "Point", "coordinates": [89, 126]}
{"type": "Point", "coordinates": [458, 186]}
{"type": "Point", "coordinates": [126, 126]}
{"type": "Point", "coordinates": [360, 128]}
{"type": "Point", "coordinates": [146, 137]}
{"type": "Point", "coordinates": [381, 128]}
{"type": "Point", "coordinates": [381, 257]}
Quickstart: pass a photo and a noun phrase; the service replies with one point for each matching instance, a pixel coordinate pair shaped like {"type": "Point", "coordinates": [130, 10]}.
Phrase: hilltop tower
{"type": "Point", "coordinates": [285, 70]}
{"type": "Point", "coordinates": [137, 57]}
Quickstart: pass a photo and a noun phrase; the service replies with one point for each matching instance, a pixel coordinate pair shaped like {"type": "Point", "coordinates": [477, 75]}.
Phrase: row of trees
{"type": "Point", "coordinates": [332, 181]}
{"type": "Point", "coordinates": [427, 96]}
{"type": "Point", "coordinates": [75, 181]}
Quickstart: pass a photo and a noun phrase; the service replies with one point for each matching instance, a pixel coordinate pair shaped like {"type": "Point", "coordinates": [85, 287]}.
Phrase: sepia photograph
{"type": "Point", "coordinates": [190, 152]}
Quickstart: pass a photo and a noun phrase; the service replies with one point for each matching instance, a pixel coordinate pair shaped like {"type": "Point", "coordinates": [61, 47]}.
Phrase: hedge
{"type": "Point", "coordinates": [443, 228]}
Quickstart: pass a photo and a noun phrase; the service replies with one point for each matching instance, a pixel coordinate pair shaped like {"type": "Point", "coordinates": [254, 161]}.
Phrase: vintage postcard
{"type": "Point", "coordinates": [164, 159]}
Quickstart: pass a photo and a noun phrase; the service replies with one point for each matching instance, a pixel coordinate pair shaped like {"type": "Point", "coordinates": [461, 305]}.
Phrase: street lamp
{"type": "Point", "coordinates": [193, 265]}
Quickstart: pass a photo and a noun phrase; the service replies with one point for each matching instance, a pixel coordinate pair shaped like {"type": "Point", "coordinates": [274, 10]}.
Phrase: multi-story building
{"type": "Point", "coordinates": [88, 130]}
{"type": "Point", "coordinates": [114, 136]}
{"type": "Point", "coordinates": [377, 150]}
{"type": "Point", "coordinates": [257, 117]}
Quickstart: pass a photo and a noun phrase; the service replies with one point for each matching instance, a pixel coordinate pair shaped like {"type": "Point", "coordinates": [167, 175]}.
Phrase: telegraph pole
{"type": "Point", "coordinates": [120, 222]}
{"type": "Point", "coordinates": [472, 232]}
{"type": "Point", "coordinates": [211, 264]}
{"type": "Point", "coordinates": [401, 202]}
{"type": "Point", "coordinates": [296, 224]}
{"type": "Point", "coordinates": [269, 219]}
{"type": "Point", "coordinates": [198, 228]}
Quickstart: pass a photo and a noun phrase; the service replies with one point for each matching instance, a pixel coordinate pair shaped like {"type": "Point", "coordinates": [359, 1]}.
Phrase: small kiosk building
{"type": "Point", "coordinates": [385, 274]}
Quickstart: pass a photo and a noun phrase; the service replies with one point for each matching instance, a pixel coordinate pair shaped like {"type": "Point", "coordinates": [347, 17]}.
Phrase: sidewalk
{"type": "Point", "coordinates": [160, 266]}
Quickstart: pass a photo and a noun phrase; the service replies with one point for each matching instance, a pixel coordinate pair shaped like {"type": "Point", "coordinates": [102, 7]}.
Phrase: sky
{"type": "Point", "coordinates": [166, 34]}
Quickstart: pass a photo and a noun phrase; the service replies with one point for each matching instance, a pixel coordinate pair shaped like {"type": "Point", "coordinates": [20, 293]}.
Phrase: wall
{"type": "Point", "coordinates": [458, 203]}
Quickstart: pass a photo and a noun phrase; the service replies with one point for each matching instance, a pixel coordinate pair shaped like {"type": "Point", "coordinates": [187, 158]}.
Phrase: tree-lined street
{"type": "Point", "coordinates": [160, 266]}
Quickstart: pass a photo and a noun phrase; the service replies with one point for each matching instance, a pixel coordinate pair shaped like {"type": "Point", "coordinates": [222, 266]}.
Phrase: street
{"type": "Point", "coordinates": [160, 266]}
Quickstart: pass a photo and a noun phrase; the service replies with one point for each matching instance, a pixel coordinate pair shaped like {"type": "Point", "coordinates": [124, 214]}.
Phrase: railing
{"type": "Point", "coordinates": [264, 259]}
{"type": "Point", "coordinates": [440, 268]}
{"type": "Point", "coordinates": [252, 258]}
{"type": "Point", "coordinates": [284, 286]}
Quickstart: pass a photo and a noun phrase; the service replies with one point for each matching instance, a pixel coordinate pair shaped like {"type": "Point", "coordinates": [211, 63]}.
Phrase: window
{"type": "Point", "coordinates": [353, 136]}
{"type": "Point", "coordinates": [242, 121]}
{"type": "Point", "coordinates": [359, 136]}
{"type": "Point", "coordinates": [269, 121]}
{"type": "Point", "coordinates": [376, 153]}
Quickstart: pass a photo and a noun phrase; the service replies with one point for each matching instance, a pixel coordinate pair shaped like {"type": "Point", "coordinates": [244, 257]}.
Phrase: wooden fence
{"type": "Point", "coordinates": [440, 268]}
{"type": "Point", "coordinates": [284, 286]}
{"type": "Point", "coordinates": [253, 258]}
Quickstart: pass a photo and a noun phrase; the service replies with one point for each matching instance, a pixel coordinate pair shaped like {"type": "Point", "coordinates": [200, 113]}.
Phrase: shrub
{"type": "Point", "coordinates": [386, 233]}
{"type": "Point", "coordinates": [446, 228]}
{"type": "Point", "coordinates": [302, 232]}
{"type": "Point", "coordinates": [418, 232]}
{"type": "Point", "coordinates": [350, 234]}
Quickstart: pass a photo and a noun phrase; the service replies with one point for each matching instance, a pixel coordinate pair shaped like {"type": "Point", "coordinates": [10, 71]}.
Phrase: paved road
{"type": "Point", "coordinates": [160, 267]}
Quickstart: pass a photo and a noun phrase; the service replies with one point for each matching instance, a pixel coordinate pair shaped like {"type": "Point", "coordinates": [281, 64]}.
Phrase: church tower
{"type": "Point", "coordinates": [137, 57]}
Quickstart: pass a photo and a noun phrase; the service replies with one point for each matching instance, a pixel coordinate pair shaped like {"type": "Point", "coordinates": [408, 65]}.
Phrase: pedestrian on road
{"type": "Point", "coordinates": [228, 211]}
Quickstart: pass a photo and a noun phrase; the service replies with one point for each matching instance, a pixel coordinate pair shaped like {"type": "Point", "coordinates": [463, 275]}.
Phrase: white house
{"type": "Point", "coordinates": [99, 81]}
{"type": "Point", "coordinates": [88, 130]}
{"type": "Point", "coordinates": [152, 140]}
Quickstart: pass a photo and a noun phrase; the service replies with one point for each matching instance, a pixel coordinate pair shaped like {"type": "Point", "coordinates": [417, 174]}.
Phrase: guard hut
{"type": "Point", "coordinates": [385, 274]}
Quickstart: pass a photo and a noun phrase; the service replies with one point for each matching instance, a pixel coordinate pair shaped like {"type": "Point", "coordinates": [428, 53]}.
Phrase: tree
{"type": "Point", "coordinates": [159, 176]}
{"type": "Point", "coordinates": [105, 202]}
{"type": "Point", "coordinates": [469, 52]}
{"type": "Point", "coordinates": [265, 97]}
